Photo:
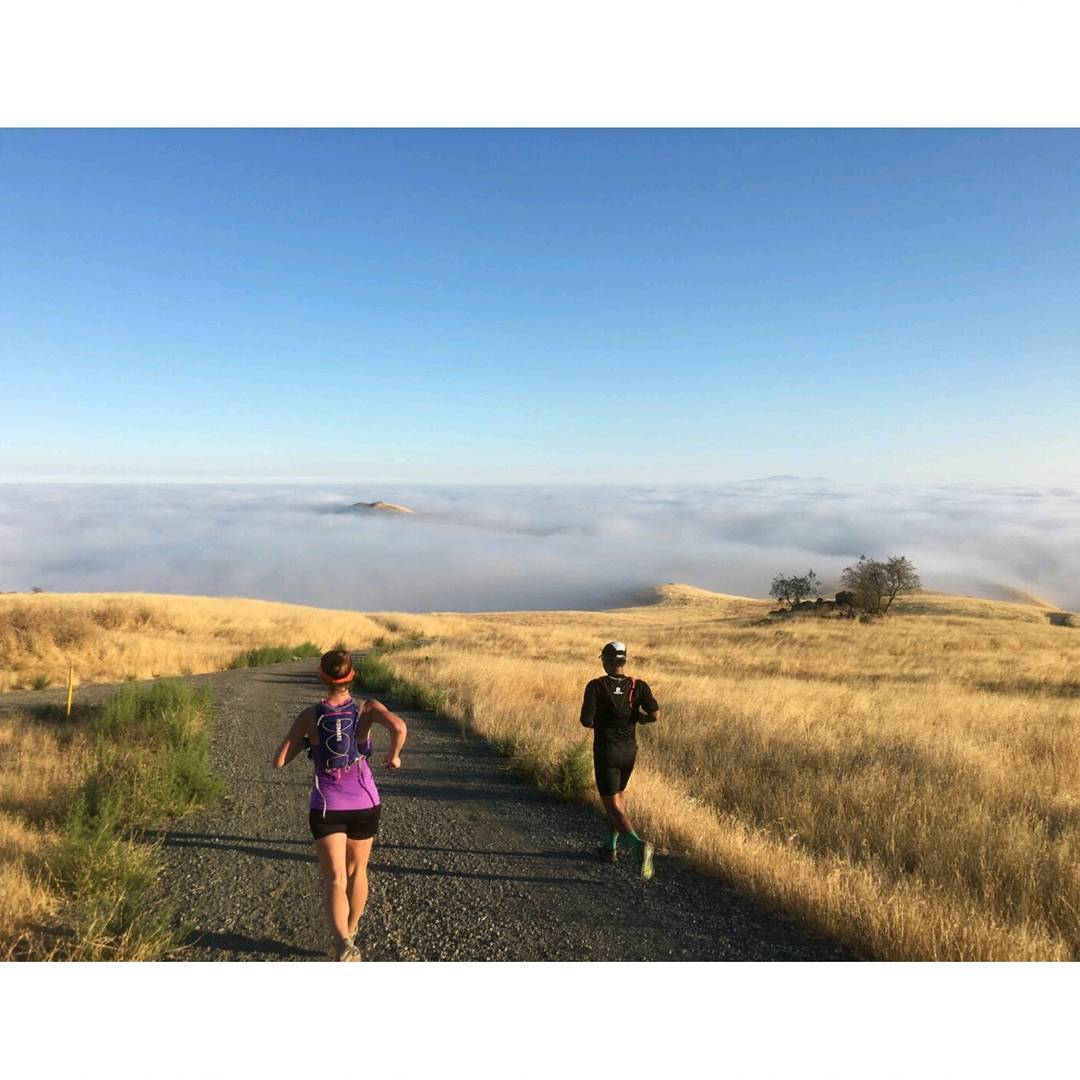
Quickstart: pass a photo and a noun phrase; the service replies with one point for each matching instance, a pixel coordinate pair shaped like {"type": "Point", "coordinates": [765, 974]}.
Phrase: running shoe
{"type": "Point", "coordinates": [646, 860]}
{"type": "Point", "coordinates": [346, 949]}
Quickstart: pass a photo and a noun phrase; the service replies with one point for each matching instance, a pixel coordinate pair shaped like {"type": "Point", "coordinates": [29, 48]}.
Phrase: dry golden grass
{"type": "Point", "coordinates": [109, 637]}
{"type": "Point", "coordinates": [909, 785]}
{"type": "Point", "coordinates": [34, 788]}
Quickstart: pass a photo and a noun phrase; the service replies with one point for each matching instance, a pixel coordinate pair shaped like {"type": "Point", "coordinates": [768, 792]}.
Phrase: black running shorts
{"type": "Point", "coordinates": [355, 824]}
{"type": "Point", "coordinates": [613, 770]}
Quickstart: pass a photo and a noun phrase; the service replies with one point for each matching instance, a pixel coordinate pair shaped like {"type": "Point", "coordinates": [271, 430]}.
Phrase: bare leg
{"type": "Point", "coordinates": [616, 814]}
{"type": "Point", "coordinates": [357, 853]}
{"type": "Point", "coordinates": [331, 852]}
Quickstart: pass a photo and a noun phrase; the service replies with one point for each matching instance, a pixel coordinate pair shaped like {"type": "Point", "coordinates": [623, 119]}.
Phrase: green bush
{"type": "Point", "coordinates": [572, 776]}
{"type": "Point", "coordinates": [388, 645]}
{"type": "Point", "coordinates": [274, 654]}
{"type": "Point", "coordinates": [151, 763]}
{"type": "Point", "coordinates": [424, 696]}
{"type": "Point", "coordinates": [374, 673]}
{"type": "Point", "coordinates": [567, 777]}
{"type": "Point", "coordinates": [40, 682]}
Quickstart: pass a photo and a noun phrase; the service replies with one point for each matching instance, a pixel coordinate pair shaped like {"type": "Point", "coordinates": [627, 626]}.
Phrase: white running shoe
{"type": "Point", "coordinates": [647, 860]}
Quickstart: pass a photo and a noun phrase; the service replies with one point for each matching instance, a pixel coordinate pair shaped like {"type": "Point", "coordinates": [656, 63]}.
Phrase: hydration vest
{"type": "Point", "coordinates": [621, 696]}
{"type": "Point", "coordinates": [337, 750]}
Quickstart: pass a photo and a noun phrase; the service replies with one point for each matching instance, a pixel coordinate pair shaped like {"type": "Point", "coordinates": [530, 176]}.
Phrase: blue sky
{"type": "Point", "coordinates": [662, 306]}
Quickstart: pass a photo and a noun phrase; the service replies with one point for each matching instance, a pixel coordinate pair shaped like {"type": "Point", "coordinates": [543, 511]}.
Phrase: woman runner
{"type": "Point", "coordinates": [344, 806]}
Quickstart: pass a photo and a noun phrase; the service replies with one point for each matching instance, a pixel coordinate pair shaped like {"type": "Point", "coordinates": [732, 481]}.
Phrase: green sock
{"type": "Point", "coordinates": [613, 840]}
{"type": "Point", "coordinates": [633, 837]}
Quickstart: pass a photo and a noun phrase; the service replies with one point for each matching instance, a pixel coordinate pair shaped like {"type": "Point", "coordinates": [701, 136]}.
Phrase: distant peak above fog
{"type": "Point", "coordinates": [385, 507]}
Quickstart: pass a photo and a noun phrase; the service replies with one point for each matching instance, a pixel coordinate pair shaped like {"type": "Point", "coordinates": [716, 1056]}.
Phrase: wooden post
{"type": "Point", "coordinates": [71, 688]}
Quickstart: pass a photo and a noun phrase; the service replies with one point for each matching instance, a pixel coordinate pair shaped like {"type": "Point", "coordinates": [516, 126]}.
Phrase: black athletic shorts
{"type": "Point", "coordinates": [613, 769]}
{"type": "Point", "coordinates": [355, 824]}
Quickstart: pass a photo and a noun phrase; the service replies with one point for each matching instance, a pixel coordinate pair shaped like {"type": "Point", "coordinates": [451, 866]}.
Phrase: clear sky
{"type": "Point", "coordinates": [541, 305]}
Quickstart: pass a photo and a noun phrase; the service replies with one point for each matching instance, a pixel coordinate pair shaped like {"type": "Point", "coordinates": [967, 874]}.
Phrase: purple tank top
{"type": "Point", "coordinates": [347, 789]}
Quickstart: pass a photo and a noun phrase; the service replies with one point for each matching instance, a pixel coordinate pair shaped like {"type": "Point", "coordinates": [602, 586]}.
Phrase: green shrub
{"type": "Point", "coordinates": [572, 776]}
{"type": "Point", "coordinates": [424, 696]}
{"type": "Point", "coordinates": [274, 654]}
{"type": "Point", "coordinates": [374, 673]}
{"type": "Point", "coordinates": [151, 763]}
{"type": "Point", "coordinates": [40, 682]}
{"type": "Point", "coordinates": [567, 777]}
{"type": "Point", "coordinates": [388, 645]}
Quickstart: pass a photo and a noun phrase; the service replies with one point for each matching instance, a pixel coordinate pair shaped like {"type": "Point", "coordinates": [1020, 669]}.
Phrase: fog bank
{"type": "Point", "coordinates": [488, 548]}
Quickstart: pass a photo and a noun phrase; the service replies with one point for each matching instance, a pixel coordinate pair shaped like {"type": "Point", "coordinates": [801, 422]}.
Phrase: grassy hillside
{"type": "Point", "coordinates": [110, 637]}
{"type": "Point", "coordinates": [909, 784]}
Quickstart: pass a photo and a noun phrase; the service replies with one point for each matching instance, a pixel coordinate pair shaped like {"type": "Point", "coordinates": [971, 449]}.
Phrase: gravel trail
{"type": "Point", "coordinates": [470, 863]}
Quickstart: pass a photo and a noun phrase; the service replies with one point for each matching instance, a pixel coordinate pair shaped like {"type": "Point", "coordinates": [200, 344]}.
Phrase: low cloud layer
{"type": "Point", "coordinates": [471, 549]}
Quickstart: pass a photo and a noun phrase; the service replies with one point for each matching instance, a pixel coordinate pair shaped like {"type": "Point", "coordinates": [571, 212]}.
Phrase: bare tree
{"type": "Point", "coordinates": [793, 589]}
{"type": "Point", "coordinates": [900, 578]}
{"type": "Point", "coordinates": [877, 584]}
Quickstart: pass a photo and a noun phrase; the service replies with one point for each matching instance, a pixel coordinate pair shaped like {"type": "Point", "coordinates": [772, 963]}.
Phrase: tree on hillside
{"type": "Point", "coordinates": [877, 584]}
{"type": "Point", "coordinates": [793, 589]}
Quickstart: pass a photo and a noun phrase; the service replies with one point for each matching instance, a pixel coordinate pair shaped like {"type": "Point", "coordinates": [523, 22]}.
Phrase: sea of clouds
{"type": "Point", "coordinates": [490, 548]}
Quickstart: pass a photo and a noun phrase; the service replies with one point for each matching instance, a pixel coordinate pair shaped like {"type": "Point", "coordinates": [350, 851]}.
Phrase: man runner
{"type": "Point", "coordinates": [613, 705]}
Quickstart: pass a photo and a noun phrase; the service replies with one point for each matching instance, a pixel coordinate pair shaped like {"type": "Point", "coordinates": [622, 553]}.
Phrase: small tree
{"type": "Point", "coordinates": [877, 584]}
{"type": "Point", "coordinates": [793, 589]}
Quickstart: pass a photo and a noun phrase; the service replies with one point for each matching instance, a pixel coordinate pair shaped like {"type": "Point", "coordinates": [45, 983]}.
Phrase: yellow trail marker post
{"type": "Point", "coordinates": [71, 689]}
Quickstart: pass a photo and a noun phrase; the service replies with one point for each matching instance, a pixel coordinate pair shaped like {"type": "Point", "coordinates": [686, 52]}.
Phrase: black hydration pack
{"type": "Point", "coordinates": [621, 695]}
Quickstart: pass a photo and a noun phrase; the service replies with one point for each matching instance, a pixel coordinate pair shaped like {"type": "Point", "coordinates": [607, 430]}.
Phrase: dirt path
{"type": "Point", "coordinates": [470, 863]}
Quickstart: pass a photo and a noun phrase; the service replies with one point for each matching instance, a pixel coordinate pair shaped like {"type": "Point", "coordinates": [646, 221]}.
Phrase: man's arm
{"type": "Point", "coordinates": [648, 711]}
{"type": "Point", "coordinates": [588, 706]}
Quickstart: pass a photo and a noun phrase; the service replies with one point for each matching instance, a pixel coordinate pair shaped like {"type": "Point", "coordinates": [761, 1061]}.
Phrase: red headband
{"type": "Point", "coordinates": [343, 679]}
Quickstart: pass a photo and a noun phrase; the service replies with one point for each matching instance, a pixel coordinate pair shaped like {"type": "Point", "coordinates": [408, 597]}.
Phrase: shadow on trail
{"type": "Point", "coordinates": [447, 793]}
{"type": "Point", "coordinates": [501, 853]}
{"type": "Point", "coordinates": [245, 845]}
{"type": "Point", "coordinates": [475, 875]}
{"type": "Point", "coordinates": [240, 943]}
{"type": "Point", "coordinates": [256, 846]}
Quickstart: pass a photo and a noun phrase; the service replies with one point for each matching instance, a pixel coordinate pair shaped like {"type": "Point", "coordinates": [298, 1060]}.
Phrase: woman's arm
{"type": "Point", "coordinates": [293, 743]}
{"type": "Point", "coordinates": [375, 712]}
